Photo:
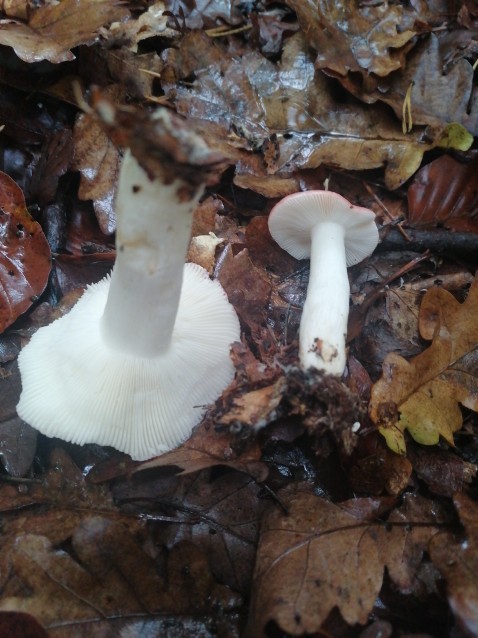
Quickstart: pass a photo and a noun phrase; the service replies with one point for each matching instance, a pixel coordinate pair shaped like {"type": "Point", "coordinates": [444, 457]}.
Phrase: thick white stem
{"type": "Point", "coordinates": [152, 237]}
{"type": "Point", "coordinates": [323, 327]}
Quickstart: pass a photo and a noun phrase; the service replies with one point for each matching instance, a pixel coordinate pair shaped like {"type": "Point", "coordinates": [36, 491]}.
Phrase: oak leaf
{"type": "Point", "coordinates": [321, 555]}
{"type": "Point", "coordinates": [423, 395]}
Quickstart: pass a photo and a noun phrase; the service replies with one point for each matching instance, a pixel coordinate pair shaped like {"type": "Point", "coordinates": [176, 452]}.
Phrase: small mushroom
{"type": "Point", "coordinates": [142, 352]}
{"type": "Point", "coordinates": [334, 234]}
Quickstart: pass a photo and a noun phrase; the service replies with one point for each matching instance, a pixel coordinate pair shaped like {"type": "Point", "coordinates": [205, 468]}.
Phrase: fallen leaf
{"type": "Point", "coordinates": [53, 29]}
{"type": "Point", "coordinates": [319, 555]}
{"type": "Point", "coordinates": [24, 255]}
{"type": "Point", "coordinates": [218, 511]}
{"type": "Point", "coordinates": [289, 113]}
{"type": "Point", "coordinates": [445, 193]}
{"type": "Point", "coordinates": [98, 160]}
{"type": "Point", "coordinates": [381, 472]}
{"type": "Point", "coordinates": [208, 448]}
{"type": "Point", "coordinates": [423, 395]}
{"type": "Point", "coordinates": [444, 472]}
{"type": "Point", "coordinates": [77, 271]}
{"type": "Point", "coordinates": [202, 250]}
{"type": "Point", "coordinates": [107, 575]}
{"type": "Point", "coordinates": [457, 560]}
{"type": "Point", "coordinates": [366, 37]}
{"type": "Point", "coordinates": [138, 73]}
{"type": "Point", "coordinates": [55, 160]}
{"type": "Point", "coordinates": [247, 287]}
{"type": "Point", "coordinates": [435, 96]}
{"type": "Point", "coordinates": [151, 23]}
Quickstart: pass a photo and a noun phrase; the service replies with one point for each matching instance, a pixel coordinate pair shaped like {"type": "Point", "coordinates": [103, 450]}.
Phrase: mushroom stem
{"type": "Point", "coordinates": [323, 327]}
{"type": "Point", "coordinates": [153, 232]}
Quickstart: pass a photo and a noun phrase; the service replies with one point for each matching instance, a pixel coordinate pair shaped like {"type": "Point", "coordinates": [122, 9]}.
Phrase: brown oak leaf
{"type": "Point", "coordinates": [320, 555]}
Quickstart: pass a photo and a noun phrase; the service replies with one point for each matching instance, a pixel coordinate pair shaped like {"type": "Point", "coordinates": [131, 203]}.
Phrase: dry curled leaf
{"type": "Point", "coordinates": [25, 258]}
{"type": "Point", "coordinates": [423, 395]}
{"type": "Point", "coordinates": [321, 555]}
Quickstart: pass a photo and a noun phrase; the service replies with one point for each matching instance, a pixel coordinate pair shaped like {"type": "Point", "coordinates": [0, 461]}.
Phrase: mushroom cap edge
{"type": "Point", "coordinates": [291, 221]}
{"type": "Point", "coordinates": [77, 389]}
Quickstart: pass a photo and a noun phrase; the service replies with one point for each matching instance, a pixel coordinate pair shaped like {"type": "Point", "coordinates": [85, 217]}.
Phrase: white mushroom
{"type": "Point", "coordinates": [334, 234]}
{"type": "Point", "coordinates": [140, 355]}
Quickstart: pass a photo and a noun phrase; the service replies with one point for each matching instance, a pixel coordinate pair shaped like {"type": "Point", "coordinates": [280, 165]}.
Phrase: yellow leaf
{"type": "Point", "coordinates": [423, 395]}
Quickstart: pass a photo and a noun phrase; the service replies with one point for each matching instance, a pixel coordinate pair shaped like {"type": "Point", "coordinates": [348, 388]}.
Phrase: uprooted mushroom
{"type": "Point", "coordinates": [141, 354]}
{"type": "Point", "coordinates": [334, 234]}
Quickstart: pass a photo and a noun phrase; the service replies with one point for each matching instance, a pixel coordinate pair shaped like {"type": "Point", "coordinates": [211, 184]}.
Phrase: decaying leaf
{"type": "Point", "coordinates": [435, 94]}
{"type": "Point", "coordinates": [320, 555]}
{"type": "Point", "coordinates": [457, 559]}
{"type": "Point", "coordinates": [360, 37]}
{"type": "Point", "coordinates": [149, 24]}
{"type": "Point", "coordinates": [98, 161]}
{"type": "Point", "coordinates": [247, 288]}
{"type": "Point", "coordinates": [207, 448]}
{"type": "Point", "coordinates": [289, 113]}
{"type": "Point", "coordinates": [217, 511]}
{"type": "Point", "coordinates": [55, 28]}
{"type": "Point", "coordinates": [113, 577]}
{"type": "Point", "coordinates": [24, 256]}
{"type": "Point", "coordinates": [443, 471]}
{"type": "Point", "coordinates": [423, 395]}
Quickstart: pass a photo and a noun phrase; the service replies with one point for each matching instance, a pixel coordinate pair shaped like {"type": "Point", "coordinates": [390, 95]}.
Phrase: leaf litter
{"type": "Point", "coordinates": [286, 512]}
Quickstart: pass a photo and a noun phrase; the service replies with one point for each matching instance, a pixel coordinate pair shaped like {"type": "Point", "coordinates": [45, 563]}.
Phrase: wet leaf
{"type": "Point", "coordinates": [247, 288]}
{"type": "Point", "coordinates": [423, 395]}
{"type": "Point", "coordinates": [98, 161]}
{"type": "Point", "coordinates": [358, 37]}
{"type": "Point", "coordinates": [218, 511]}
{"type": "Point", "coordinates": [319, 555]}
{"type": "Point", "coordinates": [381, 472]}
{"type": "Point", "coordinates": [53, 29]}
{"type": "Point", "coordinates": [207, 448]}
{"type": "Point", "coordinates": [458, 562]}
{"type": "Point", "coordinates": [445, 192]}
{"type": "Point", "coordinates": [149, 24]}
{"type": "Point", "coordinates": [24, 255]}
{"type": "Point", "coordinates": [436, 95]}
{"type": "Point", "coordinates": [52, 506]}
{"type": "Point", "coordinates": [444, 472]}
{"type": "Point", "coordinates": [290, 114]}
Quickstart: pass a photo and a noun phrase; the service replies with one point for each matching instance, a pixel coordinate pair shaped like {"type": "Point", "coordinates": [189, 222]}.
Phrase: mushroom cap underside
{"type": "Point", "coordinates": [77, 389]}
{"type": "Point", "coordinates": [292, 219]}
